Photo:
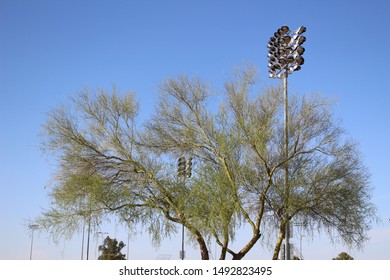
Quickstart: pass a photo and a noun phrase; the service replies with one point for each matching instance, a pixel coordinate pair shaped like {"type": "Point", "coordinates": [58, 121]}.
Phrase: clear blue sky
{"type": "Point", "coordinates": [51, 49]}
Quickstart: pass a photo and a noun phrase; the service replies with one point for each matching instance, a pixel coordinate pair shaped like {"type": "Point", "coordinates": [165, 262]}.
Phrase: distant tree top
{"type": "Point", "coordinates": [111, 250]}
{"type": "Point", "coordinates": [343, 256]}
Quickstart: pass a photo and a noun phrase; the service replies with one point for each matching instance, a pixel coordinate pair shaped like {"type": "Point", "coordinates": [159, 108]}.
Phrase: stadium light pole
{"type": "Point", "coordinates": [285, 57]}
{"type": "Point", "coordinates": [32, 227]}
{"type": "Point", "coordinates": [128, 246]}
{"type": "Point", "coordinates": [89, 231]}
{"type": "Point", "coordinates": [184, 170]}
{"type": "Point", "coordinates": [83, 213]}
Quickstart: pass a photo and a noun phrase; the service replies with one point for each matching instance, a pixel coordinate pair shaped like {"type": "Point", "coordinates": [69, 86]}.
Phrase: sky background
{"type": "Point", "coordinates": [50, 50]}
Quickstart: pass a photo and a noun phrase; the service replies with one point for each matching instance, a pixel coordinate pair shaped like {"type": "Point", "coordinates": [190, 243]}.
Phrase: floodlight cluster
{"type": "Point", "coordinates": [184, 167]}
{"type": "Point", "coordinates": [285, 51]}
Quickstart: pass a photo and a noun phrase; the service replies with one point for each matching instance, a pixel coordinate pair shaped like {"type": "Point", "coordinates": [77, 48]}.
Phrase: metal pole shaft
{"type": "Point", "coordinates": [287, 234]}
{"type": "Point", "coordinates": [300, 247]}
{"type": "Point", "coordinates": [89, 233]}
{"type": "Point", "coordinates": [32, 241]}
{"type": "Point", "coordinates": [83, 236]}
{"type": "Point", "coordinates": [128, 246]}
{"type": "Point", "coordinates": [82, 242]}
{"type": "Point", "coordinates": [182, 228]}
{"type": "Point", "coordinates": [182, 242]}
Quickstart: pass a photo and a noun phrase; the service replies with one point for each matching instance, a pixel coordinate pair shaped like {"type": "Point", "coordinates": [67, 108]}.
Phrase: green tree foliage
{"type": "Point", "coordinates": [109, 164]}
{"type": "Point", "coordinates": [111, 250]}
{"type": "Point", "coordinates": [343, 256]}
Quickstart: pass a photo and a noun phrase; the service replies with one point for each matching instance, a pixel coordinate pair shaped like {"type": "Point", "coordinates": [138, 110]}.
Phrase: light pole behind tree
{"type": "Point", "coordinates": [89, 232]}
{"type": "Point", "coordinates": [128, 245]}
{"type": "Point", "coordinates": [83, 213]}
{"type": "Point", "coordinates": [32, 227]}
{"type": "Point", "coordinates": [285, 57]}
{"type": "Point", "coordinates": [184, 170]}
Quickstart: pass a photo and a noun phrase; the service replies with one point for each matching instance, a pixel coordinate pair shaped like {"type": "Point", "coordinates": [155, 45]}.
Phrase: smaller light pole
{"type": "Point", "coordinates": [89, 232]}
{"type": "Point", "coordinates": [32, 227]}
{"type": "Point", "coordinates": [83, 213]}
{"type": "Point", "coordinates": [82, 242]}
{"type": "Point", "coordinates": [184, 170]}
{"type": "Point", "coordinates": [128, 246]}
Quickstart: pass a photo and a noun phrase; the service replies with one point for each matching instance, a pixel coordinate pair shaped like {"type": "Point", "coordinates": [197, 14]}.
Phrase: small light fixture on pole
{"type": "Point", "coordinates": [184, 170]}
{"type": "Point", "coordinates": [285, 57]}
{"type": "Point", "coordinates": [32, 227]}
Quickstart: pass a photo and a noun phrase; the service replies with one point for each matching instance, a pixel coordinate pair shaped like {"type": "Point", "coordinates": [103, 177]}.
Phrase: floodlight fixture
{"type": "Point", "coordinates": [285, 50]}
{"type": "Point", "coordinates": [294, 68]}
{"type": "Point", "coordinates": [282, 61]}
{"type": "Point", "coordinates": [290, 59]}
{"type": "Point", "coordinates": [300, 50]}
{"type": "Point", "coordinates": [301, 30]}
{"type": "Point", "coordinates": [283, 30]}
{"type": "Point", "coordinates": [181, 166]}
{"type": "Point", "coordinates": [300, 60]}
{"type": "Point", "coordinates": [189, 167]}
{"type": "Point", "coordinates": [286, 39]}
{"type": "Point", "coordinates": [272, 75]}
{"type": "Point", "coordinates": [301, 40]}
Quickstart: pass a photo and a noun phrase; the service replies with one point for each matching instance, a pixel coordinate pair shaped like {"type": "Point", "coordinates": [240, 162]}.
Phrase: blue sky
{"type": "Point", "coordinates": [52, 49]}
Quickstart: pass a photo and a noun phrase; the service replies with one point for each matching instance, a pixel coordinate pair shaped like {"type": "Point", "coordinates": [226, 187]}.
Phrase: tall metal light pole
{"type": "Point", "coordinates": [128, 246]}
{"type": "Point", "coordinates": [32, 227]}
{"type": "Point", "coordinates": [285, 57]}
{"type": "Point", "coordinates": [82, 241]}
{"type": "Point", "coordinates": [89, 232]}
{"type": "Point", "coordinates": [89, 224]}
{"type": "Point", "coordinates": [184, 170]}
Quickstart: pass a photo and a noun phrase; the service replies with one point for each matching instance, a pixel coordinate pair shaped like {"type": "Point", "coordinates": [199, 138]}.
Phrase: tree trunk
{"type": "Point", "coordinates": [223, 254]}
{"type": "Point", "coordinates": [282, 230]}
{"type": "Point", "coordinates": [225, 245]}
{"type": "Point", "coordinates": [247, 247]}
{"type": "Point", "coordinates": [224, 249]}
{"type": "Point", "coordinates": [204, 252]}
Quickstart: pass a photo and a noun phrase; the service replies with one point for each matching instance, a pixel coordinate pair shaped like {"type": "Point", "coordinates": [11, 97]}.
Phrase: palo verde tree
{"type": "Point", "coordinates": [111, 165]}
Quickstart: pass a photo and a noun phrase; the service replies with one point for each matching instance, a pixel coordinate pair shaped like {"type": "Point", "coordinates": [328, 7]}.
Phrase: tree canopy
{"type": "Point", "coordinates": [112, 164]}
{"type": "Point", "coordinates": [111, 250]}
{"type": "Point", "coordinates": [343, 256]}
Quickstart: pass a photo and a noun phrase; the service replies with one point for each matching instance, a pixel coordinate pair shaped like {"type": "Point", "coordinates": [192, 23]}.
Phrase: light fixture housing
{"type": "Point", "coordinates": [301, 30]}
{"type": "Point", "coordinates": [285, 51]}
{"type": "Point", "coordinates": [300, 50]}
